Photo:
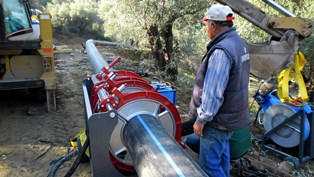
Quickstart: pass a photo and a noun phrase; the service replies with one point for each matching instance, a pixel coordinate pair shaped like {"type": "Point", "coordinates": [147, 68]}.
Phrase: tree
{"type": "Point", "coordinates": [308, 50]}
{"type": "Point", "coordinates": [79, 16]}
{"type": "Point", "coordinates": [156, 18]}
{"type": "Point", "coordinates": [39, 4]}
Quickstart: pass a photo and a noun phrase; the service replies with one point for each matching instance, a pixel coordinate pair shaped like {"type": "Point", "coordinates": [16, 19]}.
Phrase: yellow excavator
{"type": "Point", "coordinates": [26, 49]}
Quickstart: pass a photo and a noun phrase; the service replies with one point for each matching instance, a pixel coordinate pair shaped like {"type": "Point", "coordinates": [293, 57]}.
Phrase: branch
{"type": "Point", "coordinates": [137, 19]}
{"type": "Point", "coordinates": [188, 11]}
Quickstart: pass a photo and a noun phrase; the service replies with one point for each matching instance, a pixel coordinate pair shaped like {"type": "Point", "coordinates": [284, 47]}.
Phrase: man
{"type": "Point", "coordinates": [219, 103]}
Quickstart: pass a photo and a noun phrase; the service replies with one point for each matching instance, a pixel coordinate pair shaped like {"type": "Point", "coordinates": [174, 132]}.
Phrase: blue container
{"type": "Point", "coordinates": [165, 90]}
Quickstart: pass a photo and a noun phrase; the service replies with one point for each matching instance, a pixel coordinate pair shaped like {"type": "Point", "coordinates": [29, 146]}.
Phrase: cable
{"type": "Point", "coordinates": [60, 161]}
{"type": "Point", "coordinates": [255, 94]}
{"type": "Point", "coordinates": [256, 116]}
{"type": "Point", "coordinates": [78, 159]}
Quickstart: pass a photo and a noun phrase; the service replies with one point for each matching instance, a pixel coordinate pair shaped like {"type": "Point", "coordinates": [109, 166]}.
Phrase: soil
{"type": "Point", "coordinates": [31, 139]}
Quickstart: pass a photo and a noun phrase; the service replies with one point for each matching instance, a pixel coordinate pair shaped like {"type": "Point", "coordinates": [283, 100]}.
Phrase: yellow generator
{"type": "Point", "coordinates": [26, 49]}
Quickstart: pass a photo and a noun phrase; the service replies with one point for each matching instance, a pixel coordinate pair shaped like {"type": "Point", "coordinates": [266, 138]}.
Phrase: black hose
{"type": "Point", "coordinates": [60, 161]}
{"type": "Point", "coordinates": [78, 159]}
{"type": "Point", "coordinates": [257, 114]}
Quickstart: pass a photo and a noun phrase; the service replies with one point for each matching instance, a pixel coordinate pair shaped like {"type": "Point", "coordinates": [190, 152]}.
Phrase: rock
{"type": "Point", "coordinates": [286, 166]}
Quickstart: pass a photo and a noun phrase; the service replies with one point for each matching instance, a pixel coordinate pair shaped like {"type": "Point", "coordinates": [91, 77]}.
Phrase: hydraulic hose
{"type": "Point", "coordinates": [60, 161]}
{"type": "Point", "coordinates": [78, 159]}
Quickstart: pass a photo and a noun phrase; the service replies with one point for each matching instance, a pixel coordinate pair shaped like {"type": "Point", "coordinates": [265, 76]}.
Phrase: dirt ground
{"type": "Point", "coordinates": [31, 138]}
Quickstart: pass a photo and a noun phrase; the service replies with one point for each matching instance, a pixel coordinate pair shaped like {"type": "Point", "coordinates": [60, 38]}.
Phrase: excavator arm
{"type": "Point", "coordinates": [271, 57]}
{"type": "Point", "coordinates": [275, 26]}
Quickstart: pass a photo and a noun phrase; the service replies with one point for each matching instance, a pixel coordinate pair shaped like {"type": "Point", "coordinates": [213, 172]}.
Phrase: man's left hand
{"type": "Point", "coordinates": [198, 128]}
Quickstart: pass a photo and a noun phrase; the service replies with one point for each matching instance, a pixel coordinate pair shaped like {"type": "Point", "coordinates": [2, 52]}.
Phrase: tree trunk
{"type": "Point", "coordinates": [156, 46]}
{"type": "Point", "coordinates": [171, 68]}
{"type": "Point", "coordinates": [164, 59]}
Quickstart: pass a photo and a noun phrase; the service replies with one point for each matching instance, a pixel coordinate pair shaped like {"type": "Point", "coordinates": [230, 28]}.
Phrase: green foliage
{"type": "Point", "coordinates": [79, 16]}
{"type": "Point", "coordinates": [191, 37]}
{"type": "Point", "coordinates": [308, 51]}
{"type": "Point", "coordinates": [308, 47]}
{"type": "Point", "coordinates": [39, 4]}
{"type": "Point", "coordinates": [128, 21]}
{"type": "Point", "coordinates": [119, 22]}
{"type": "Point", "coordinates": [149, 24]}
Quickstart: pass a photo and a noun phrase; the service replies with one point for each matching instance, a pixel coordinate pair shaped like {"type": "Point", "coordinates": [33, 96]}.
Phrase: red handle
{"type": "Point", "coordinates": [115, 61]}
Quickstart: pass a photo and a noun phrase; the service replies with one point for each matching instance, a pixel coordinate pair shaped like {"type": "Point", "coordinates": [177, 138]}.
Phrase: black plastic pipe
{"type": "Point", "coordinates": [154, 152]}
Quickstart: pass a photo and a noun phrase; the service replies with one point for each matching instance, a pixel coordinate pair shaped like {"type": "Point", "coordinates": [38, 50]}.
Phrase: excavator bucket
{"type": "Point", "coordinates": [270, 58]}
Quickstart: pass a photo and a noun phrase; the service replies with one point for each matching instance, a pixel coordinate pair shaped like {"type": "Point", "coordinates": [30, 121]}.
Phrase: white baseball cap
{"type": "Point", "coordinates": [218, 12]}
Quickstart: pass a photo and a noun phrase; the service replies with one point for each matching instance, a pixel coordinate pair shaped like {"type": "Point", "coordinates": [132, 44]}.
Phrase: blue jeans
{"type": "Point", "coordinates": [214, 150]}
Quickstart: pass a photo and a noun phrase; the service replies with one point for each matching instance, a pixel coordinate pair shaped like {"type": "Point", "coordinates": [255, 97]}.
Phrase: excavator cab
{"type": "Point", "coordinates": [26, 50]}
{"type": "Point", "coordinates": [16, 19]}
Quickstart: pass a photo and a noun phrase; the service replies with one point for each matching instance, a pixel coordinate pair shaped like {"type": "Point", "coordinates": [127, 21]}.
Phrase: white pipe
{"type": "Point", "coordinates": [279, 8]}
{"type": "Point", "coordinates": [96, 60]}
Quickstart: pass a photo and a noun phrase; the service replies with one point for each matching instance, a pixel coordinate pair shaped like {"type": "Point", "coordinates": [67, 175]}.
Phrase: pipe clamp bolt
{"type": "Point", "coordinates": [112, 115]}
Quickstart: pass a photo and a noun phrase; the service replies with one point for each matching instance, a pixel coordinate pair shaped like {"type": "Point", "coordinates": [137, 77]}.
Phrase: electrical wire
{"type": "Point", "coordinates": [78, 159]}
{"type": "Point", "coordinates": [60, 161]}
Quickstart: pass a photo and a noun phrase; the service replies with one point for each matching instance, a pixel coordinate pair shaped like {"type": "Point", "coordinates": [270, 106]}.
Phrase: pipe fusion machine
{"type": "Point", "coordinates": [131, 127]}
{"type": "Point", "coordinates": [288, 126]}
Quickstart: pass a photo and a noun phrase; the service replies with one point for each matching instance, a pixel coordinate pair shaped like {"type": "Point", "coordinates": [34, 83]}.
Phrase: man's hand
{"type": "Point", "coordinates": [198, 128]}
